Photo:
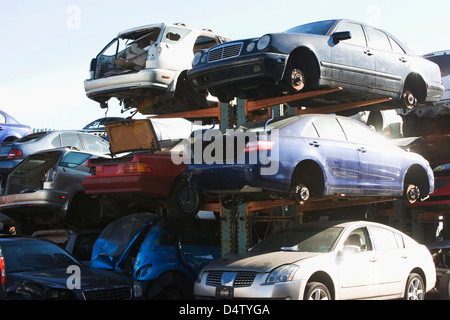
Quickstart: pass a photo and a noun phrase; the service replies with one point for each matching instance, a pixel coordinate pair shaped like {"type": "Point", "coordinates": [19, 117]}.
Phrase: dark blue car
{"type": "Point", "coordinates": [11, 129]}
{"type": "Point", "coordinates": [163, 253]}
{"type": "Point", "coordinates": [304, 155]}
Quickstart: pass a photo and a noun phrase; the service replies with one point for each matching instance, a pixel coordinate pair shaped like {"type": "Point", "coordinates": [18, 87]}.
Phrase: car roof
{"type": "Point", "coordinates": [158, 25]}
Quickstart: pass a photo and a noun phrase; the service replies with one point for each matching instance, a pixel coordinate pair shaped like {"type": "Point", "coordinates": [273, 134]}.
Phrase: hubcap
{"type": "Point", "coordinates": [318, 294]}
{"type": "Point", "coordinates": [415, 290]}
{"type": "Point", "coordinates": [189, 199]}
{"type": "Point", "coordinates": [302, 193]}
{"type": "Point", "coordinates": [413, 193]}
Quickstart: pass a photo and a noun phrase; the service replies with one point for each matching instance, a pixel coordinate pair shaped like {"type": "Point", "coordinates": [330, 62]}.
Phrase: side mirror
{"type": "Point", "coordinates": [340, 36]}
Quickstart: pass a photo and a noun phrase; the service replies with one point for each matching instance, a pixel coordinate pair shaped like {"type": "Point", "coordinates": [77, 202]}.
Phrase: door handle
{"type": "Point", "coordinates": [404, 256]}
{"type": "Point", "coordinates": [314, 144]}
{"type": "Point", "coordinates": [402, 59]}
{"type": "Point", "coordinates": [368, 52]}
{"type": "Point", "coordinates": [362, 150]}
{"type": "Point", "coordinates": [372, 259]}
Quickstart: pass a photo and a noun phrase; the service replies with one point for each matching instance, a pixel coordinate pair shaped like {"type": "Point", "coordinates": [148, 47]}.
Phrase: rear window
{"type": "Point", "coordinates": [73, 159]}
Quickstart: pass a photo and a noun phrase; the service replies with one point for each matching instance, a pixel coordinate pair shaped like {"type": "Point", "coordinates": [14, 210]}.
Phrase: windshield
{"type": "Point", "coordinates": [29, 255]}
{"type": "Point", "coordinates": [319, 28]}
{"type": "Point", "coordinates": [312, 238]}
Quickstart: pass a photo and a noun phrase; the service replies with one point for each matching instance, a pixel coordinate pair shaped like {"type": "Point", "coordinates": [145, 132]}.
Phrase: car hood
{"type": "Point", "coordinates": [90, 278]}
{"type": "Point", "coordinates": [264, 262]}
{"type": "Point", "coordinates": [131, 135]}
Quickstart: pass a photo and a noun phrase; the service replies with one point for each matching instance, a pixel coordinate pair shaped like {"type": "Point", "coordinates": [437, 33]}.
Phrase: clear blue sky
{"type": "Point", "coordinates": [47, 45]}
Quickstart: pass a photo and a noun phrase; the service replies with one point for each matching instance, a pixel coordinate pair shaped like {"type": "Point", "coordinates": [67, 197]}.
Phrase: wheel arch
{"type": "Point", "coordinates": [313, 173]}
{"type": "Point", "coordinates": [297, 55]}
{"type": "Point", "coordinates": [325, 279]}
{"type": "Point", "coordinates": [417, 175]}
{"type": "Point", "coordinates": [416, 84]}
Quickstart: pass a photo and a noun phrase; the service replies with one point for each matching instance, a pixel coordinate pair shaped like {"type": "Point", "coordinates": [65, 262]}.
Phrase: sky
{"type": "Point", "coordinates": [48, 44]}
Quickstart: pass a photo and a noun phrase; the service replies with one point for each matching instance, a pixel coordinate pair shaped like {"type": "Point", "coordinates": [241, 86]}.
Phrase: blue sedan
{"type": "Point", "coordinates": [310, 155]}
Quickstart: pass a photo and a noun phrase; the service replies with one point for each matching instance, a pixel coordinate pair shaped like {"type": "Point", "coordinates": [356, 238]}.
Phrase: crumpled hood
{"type": "Point", "coordinates": [265, 262]}
{"type": "Point", "coordinates": [89, 278]}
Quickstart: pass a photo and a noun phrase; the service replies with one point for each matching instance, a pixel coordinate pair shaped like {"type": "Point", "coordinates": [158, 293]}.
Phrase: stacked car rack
{"type": "Point", "coordinates": [237, 220]}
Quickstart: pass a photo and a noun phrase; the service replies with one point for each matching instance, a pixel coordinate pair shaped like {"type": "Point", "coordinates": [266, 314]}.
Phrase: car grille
{"type": "Point", "coordinates": [242, 279]}
{"type": "Point", "coordinates": [225, 52]}
{"type": "Point", "coordinates": [113, 293]}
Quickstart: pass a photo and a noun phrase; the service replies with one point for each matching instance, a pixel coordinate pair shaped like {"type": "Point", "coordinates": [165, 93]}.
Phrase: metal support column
{"type": "Point", "coordinates": [243, 229]}
{"type": "Point", "coordinates": [227, 231]}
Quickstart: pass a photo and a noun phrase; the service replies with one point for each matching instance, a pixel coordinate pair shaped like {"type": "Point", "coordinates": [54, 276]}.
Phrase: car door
{"type": "Point", "coordinates": [391, 61]}
{"type": "Point", "coordinates": [338, 157]}
{"type": "Point", "coordinates": [352, 61]}
{"type": "Point", "coordinates": [379, 170]}
{"type": "Point", "coordinates": [199, 244]}
{"type": "Point", "coordinates": [359, 273]}
{"type": "Point", "coordinates": [392, 259]}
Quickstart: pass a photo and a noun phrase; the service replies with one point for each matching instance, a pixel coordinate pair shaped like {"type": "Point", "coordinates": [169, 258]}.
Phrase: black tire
{"type": "Point", "coordinates": [316, 291]}
{"type": "Point", "coordinates": [184, 199]}
{"type": "Point", "coordinates": [415, 288]}
{"type": "Point", "coordinates": [444, 286]}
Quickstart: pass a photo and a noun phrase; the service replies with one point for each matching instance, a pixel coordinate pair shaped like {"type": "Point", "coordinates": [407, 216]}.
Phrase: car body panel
{"type": "Point", "coordinates": [361, 274]}
{"type": "Point", "coordinates": [353, 63]}
{"type": "Point", "coordinates": [33, 275]}
{"type": "Point", "coordinates": [157, 246]}
{"type": "Point", "coordinates": [149, 66]}
{"type": "Point", "coordinates": [11, 129]}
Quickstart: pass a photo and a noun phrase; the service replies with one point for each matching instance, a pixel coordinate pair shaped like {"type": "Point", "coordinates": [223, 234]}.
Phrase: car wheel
{"type": "Point", "coordinates": [444, 286]}
{"type": "Point", "coordinates": [412, 193]}
{"type": "Point", "coordinates": [317, 291]}
{"type": "Point", "coordinates": [294, 79]}
{"type": "Point", "coordinates": [415, 288]}
{"type": "Point", "coordinates": [301, 193]}
{"type": "Point", "coordinates": [184, 199]}
{"type": "Point", "coordinates": [408, 99]}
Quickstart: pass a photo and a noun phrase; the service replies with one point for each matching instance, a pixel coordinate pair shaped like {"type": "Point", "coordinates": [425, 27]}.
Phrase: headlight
{"type": "Point", "coordinates": [263, 42]}
{"type": "Point", "coordinates": [138, 291]}
{"type": "Point", "coordinates": [200, 275]}
{"type": "Point", "coordinates": [197, 57]}
{"type": "Point", "coordinates": [282, 274]}
{"type": "Point", "coordinates": [250, 46]}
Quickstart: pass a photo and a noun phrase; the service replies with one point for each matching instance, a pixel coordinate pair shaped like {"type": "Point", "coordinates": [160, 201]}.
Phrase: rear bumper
{"type": "Point", "coordinates": [51, 200]}
{"type": "Point", "coordinates": [158, 186]}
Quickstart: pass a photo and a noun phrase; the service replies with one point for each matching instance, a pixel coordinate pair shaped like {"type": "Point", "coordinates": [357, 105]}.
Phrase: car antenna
{"type": "Point", "coordinates": [267, 122]}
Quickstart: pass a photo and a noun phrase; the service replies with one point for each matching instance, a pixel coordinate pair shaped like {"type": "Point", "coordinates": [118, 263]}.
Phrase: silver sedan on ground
{"type": "Point", "coordinates": [324, 260]}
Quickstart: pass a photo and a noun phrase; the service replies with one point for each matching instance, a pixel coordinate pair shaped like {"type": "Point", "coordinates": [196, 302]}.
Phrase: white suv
{"type": "Point", "coordinates": [145, 68]}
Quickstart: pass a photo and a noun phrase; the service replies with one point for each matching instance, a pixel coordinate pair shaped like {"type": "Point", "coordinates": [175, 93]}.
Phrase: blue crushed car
{"type": "Point", "coordinates": [163, 254]}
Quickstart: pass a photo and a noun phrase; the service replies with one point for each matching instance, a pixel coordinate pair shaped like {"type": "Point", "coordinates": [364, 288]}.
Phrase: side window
{"type": "Point", "coordinates": [396, 47]}
{"type": "Point", "coordinates": [94, 143]}
{"type": "Point", "coordinates": [310, 131]}
{"type": "Point", "coordinates": [2, 118]}
{"type": "Point", "coordinates": [359, 133]}
{"type": "Point", "coordinates": [56, 142]}
{"type": "Point", "coordinates": [71, 139]}
{"type": "Point", "coordinates": [73, 159]}
{"type": "Point", "coordinates": [383, 239]}
{"type": "Point", "coordinates": [204, 42]}
{"type": "Point", "coordinates": [329, 128]}
{"type": "Point", "coordinates": [358, 37]}
{"type": "Point", "coordinates": [378, 40]}
{"type": "Point", "coordinates": [199, 234]}
{"type": "Point", "coordinates": [360, 238]}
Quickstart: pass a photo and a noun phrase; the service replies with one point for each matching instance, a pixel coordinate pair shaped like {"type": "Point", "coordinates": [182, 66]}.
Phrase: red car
{"type": "Point", "coordinates": [145, 176]}
{"type": "Point", "coordinates": [436, 149]}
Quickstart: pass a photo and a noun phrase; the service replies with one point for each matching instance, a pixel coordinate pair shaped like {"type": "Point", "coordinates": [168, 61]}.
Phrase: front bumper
{"type": "Point", "coordinates": [233, 72]}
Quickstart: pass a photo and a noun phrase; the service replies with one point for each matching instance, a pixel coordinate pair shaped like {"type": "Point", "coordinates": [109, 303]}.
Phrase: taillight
{"type": "Point", "coordinates": [2, 269]}
{"type": "Point", "coordinates": [259, 145]}
{"type": "Point", "coordinates": [14, 154]}
{"type": "Point", "coordinates": [136, 167]}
